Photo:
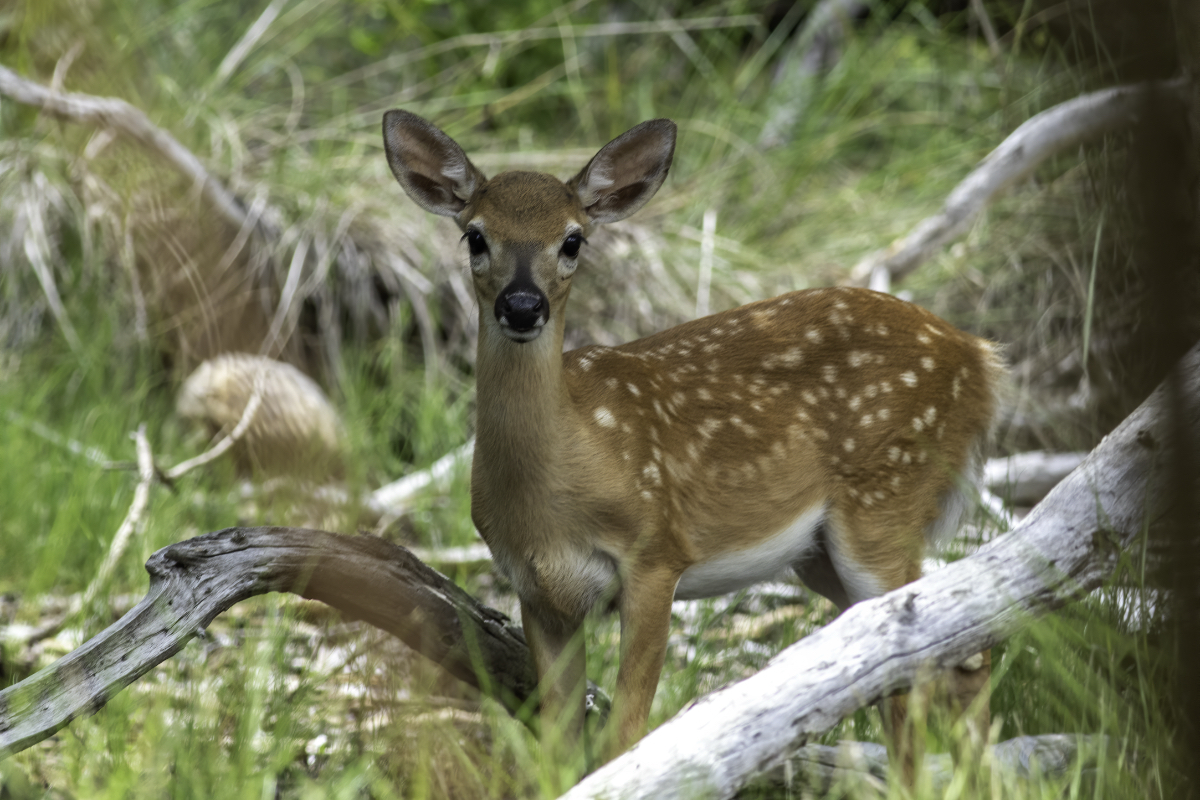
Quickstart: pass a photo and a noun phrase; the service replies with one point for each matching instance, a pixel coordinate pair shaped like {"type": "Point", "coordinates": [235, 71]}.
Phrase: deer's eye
{"type": "Point", "coordinates": [571, 246]}
{"type": "Point", "coordinates": [475, 242]}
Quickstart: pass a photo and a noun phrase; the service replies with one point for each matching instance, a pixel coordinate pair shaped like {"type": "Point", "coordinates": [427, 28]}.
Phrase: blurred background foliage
{"type": "Point", "coordinates": [118, 279]}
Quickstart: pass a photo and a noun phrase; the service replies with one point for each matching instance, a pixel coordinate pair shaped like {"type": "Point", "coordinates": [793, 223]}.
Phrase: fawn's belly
{"type": "Point", "coordinates": [737, 569]}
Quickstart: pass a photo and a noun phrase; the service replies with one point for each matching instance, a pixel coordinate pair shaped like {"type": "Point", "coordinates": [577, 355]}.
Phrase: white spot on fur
{"type": "Point", "coordinates": [866, 420]}
{"type": "Point", "coordinates": [848, 445]}
{"type": "Point", "coordinates": [908, 378]}
{"type": "Point", "coordinates": [927, 363]}
{"type": "Point", "coordinates": [893, 453]}
{"type": "Point", "coordinates": [829, 373]}
{"type": "Point", "coordinates": [605, 418]}
{"type": "Point", "coordinates": [855, 402]}
{"type": "Point", "coordinates": [930, 415]}
{"type": "Point", "coordinates": [884, 414]}
{"type": "Point", "coordinates": [741, 425]}
{"type": "Point", "coordinates": [813, 335]}
{"type": "Point", "coordinates": [923, 338]}
{"type": "Point", "coordinates": [789, 358]}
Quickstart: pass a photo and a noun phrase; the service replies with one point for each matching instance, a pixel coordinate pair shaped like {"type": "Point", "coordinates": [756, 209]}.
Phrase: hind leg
{"type": "Point", "coordinates": [872, 552]}
{"type": "Point", "coordinates": [884, 554]}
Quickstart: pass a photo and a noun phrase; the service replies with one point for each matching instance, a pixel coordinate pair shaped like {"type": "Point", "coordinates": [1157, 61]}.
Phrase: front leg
{"type": "Point", "coordinates": [645, 608]}
{"type": "Point", "coordinates": [558, 655]}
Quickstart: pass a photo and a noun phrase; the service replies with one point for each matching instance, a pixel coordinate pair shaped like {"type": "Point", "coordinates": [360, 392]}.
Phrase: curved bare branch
{"type": "Point", "coordinates": [193, 581]}
{"type": "Point", "coordinates": [1041, 136]}
{"type": "Point", "coordinates": [112, 112]}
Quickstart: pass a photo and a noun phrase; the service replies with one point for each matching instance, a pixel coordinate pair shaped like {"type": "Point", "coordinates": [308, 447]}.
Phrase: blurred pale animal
{"type": "Point", "coordinates": [295, 431]}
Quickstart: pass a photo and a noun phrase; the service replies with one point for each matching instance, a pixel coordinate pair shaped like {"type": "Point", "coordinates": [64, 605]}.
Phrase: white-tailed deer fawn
{"type": "Point", "coordinates": [828, 430]}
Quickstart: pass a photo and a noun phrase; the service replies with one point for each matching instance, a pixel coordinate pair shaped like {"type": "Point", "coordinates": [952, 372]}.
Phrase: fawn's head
{"type": "Point", "coordinates": [524, 229]}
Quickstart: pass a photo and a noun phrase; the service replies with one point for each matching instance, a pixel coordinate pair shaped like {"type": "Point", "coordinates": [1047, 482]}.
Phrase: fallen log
{"type": "Point", "coordinates": [821, 769]}
{"type": "Point", "coordinates": [191, 582]}
{"type": "Point", "coordinates": [1023, 479]}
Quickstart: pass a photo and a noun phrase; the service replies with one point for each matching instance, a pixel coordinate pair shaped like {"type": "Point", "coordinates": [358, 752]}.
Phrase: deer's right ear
{"type": "Point", "coordinates": [430, 166]}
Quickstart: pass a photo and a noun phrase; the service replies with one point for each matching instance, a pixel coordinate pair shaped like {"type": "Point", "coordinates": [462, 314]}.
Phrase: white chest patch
{"type": "Point", "coordinates": [738, 569]}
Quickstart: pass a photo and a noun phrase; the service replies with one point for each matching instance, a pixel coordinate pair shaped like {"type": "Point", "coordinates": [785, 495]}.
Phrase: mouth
{"type": "Point", "coordinates": [522, 336]}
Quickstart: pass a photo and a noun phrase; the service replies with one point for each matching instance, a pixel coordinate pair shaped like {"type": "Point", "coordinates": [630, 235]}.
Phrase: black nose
{"type": "Point", "coordinates": [522, 310]}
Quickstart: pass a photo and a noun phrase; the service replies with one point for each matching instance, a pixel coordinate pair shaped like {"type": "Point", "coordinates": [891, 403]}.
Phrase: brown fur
{"type": "Point", "coordinates": [602, 475]}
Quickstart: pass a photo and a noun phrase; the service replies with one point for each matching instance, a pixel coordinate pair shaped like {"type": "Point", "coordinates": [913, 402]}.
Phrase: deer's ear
{"type": "Point", "coordinates": [430, 166]}
{"type": "Point", "coordinates": [627, 171]}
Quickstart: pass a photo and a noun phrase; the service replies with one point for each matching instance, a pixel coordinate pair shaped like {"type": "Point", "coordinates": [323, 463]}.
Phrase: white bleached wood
{"type": "Point", "coordinates": [396, 497]}
{"type": "Point", "coordinates": [1025, 478]}
{"type": "Point", "coordinates": [1063, 549]}
{"type": "Point", "coordinates": [1041, 136]}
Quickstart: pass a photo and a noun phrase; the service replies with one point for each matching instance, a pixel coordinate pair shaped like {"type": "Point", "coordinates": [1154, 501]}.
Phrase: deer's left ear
{"type": "Point", "coordinates": [627, 171]}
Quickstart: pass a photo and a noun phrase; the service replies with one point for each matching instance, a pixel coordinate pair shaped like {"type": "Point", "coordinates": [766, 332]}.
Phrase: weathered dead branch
{"type": "Point", "coordinates": [1063, 549]}
{"type": "Point", "coordinates": [395, 498]}
{"type": "Point", "coordinates": [863, 765]}
{"type": "Point", "coordinates": [193, 581]}
{"type": "Point", "coordinates": [114, 113]}
{"type": "Point", "coordinates": [815, 49]}
{"type": "Point", "coordinates": [129, 525]}
{"type": "Point", "coordinates": [1041, 136]}
{"type": "Point", "coordinates": [1025, 478]}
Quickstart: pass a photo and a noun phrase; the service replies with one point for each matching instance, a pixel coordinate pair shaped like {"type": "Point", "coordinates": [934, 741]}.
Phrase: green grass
{"type": "Point", "coordinates": [909, 109]}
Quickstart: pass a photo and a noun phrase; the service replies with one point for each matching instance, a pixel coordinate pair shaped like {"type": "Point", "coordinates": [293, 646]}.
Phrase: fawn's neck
{"type": "Point", "coordinates": [522, 413]}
